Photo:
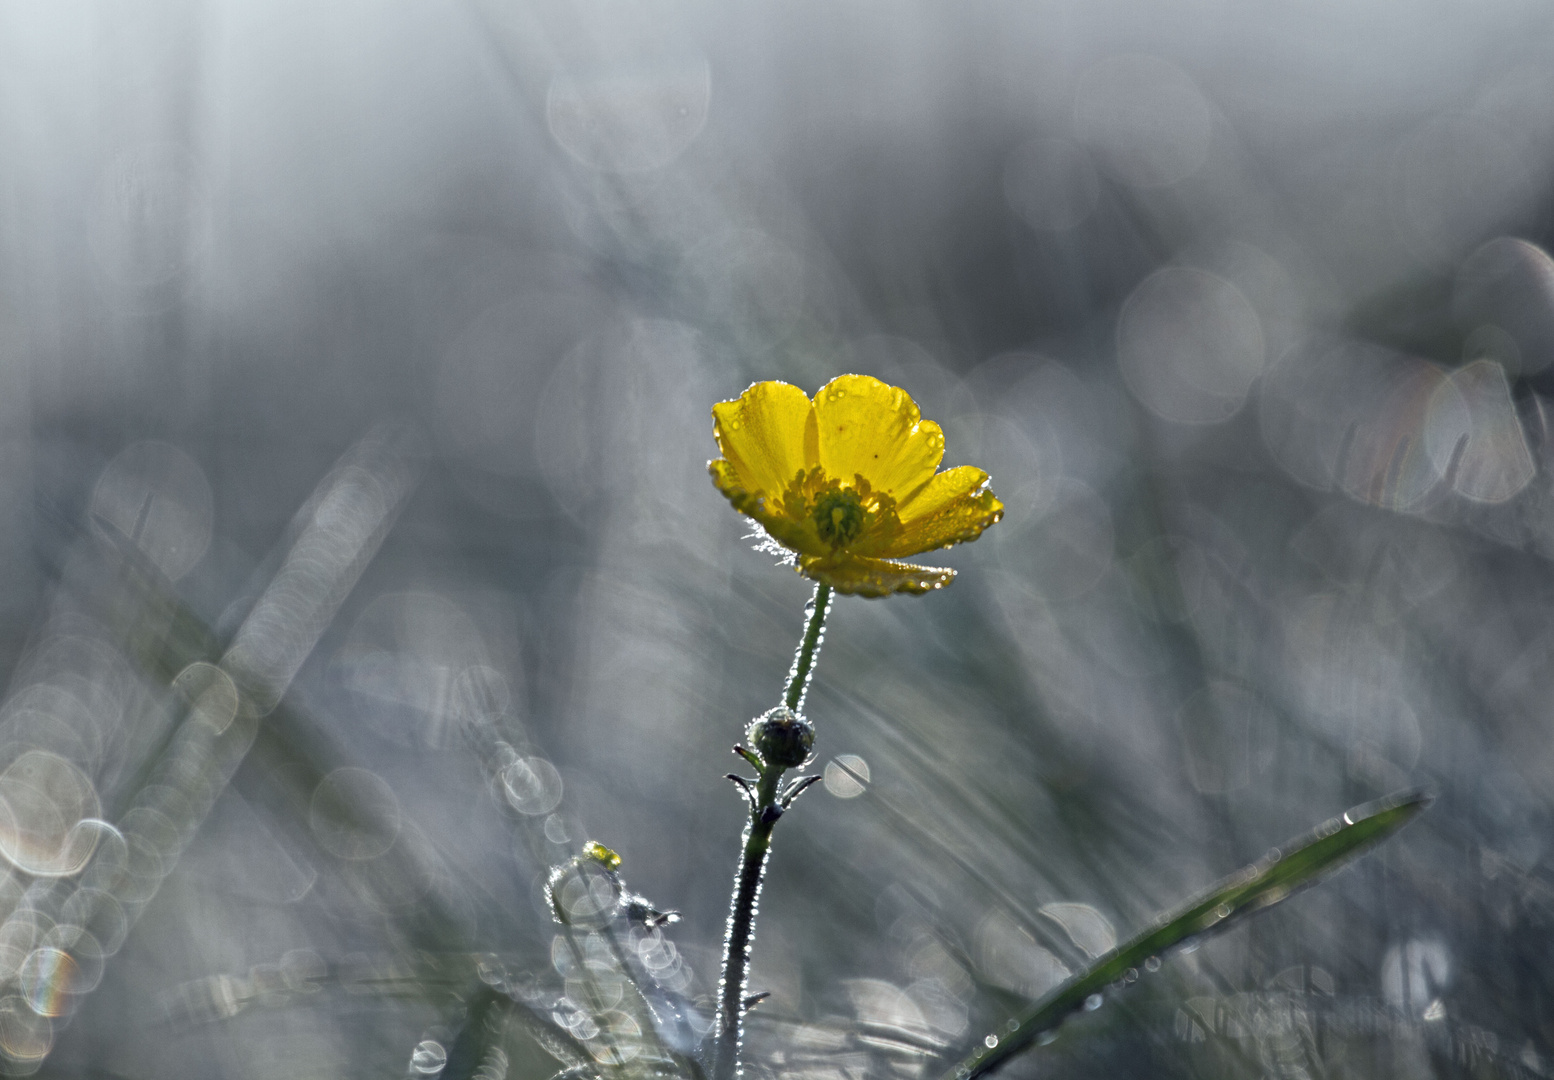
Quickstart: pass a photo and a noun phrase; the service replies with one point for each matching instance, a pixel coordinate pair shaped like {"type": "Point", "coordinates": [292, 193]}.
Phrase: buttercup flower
{"type": "Point", "coordinates": [848, 482]}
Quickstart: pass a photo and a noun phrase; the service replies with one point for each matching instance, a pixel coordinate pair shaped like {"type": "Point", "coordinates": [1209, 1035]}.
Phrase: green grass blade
{"type": "Point", "coordinates": [1284, 870]}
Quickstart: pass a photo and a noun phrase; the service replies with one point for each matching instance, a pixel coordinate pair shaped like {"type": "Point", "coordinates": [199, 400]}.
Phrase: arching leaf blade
{"type": "Point", "coordinates": [1295, 865]}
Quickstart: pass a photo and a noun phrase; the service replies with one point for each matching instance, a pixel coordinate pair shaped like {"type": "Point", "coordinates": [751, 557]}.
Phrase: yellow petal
{"type": "Point", "coordinates": [954, 507]}
{"type": "Point", "coordinates": [874, 430]}
{"type": "Point", "coordinates": [762, 434]}
{"type": "Point", "coordinates": [874, 577]}
{"type": "Point", "coordinates": [767, 512]}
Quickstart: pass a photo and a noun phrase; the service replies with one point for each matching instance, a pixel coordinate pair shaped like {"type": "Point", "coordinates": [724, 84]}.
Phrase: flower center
{"type": "Point", "coordinates": [838, 516]}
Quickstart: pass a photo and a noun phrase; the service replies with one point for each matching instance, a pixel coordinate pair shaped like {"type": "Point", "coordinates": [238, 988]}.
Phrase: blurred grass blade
{"type": "Point", "coordinates": [1284, 870]}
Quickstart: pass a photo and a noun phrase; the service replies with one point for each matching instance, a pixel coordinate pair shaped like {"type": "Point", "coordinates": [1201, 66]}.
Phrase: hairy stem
{"type": "Point", "coordinates": [809, 648]}
{"type": "Point", "coordinates": [741, 929]}
{"type": "Point", "coordinates": [764, 812]}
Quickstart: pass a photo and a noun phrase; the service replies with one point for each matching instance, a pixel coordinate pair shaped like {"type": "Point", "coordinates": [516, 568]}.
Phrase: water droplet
{"type": "Point", "coordinates": [47, 978]}
{"type": "Point", "coordinates": [1047, 1038]}
{"type": "Point", "coordinates": [990, 1042]}
{"type": "Point", "coordinates": [1092, 1003]}
{"type": "Point", "coordinates": [24, 1035]}
{"type": "Point", "coordinates": [1013, 1025]}
{"type": "Point", "coordinates": [1152, 964]}
{"type": "Point", "coordinates": [532, 786]}
{"type": "Point", "coordinates": [429, 1057]}
{"type": "Point", "coordinates": [48, 801]}
{"type": "Point", "coordinates": [1223, 911]}
{"type": "Point", "coordinates": [556, 830]}
{"type": "Point", "coordinates": [1131, 975]}
{"type": "Point", "coordinates": [355, 814]}
{"type": "Point", "coordinates": [490, 971]}
{"type": "Point", "coordinates": [847, 776]}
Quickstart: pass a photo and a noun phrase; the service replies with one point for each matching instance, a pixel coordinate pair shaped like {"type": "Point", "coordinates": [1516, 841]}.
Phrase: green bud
{"type": "Point", "coordinates": [782, 737]}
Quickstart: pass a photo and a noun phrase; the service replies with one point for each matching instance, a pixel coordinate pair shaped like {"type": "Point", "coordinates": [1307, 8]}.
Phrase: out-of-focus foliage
{"type": "Point", "coordinates": [355, 365]}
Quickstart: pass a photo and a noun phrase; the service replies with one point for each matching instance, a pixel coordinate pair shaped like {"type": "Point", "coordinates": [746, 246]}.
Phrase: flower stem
{"type": "Point", "coordinates": [741, 930]}
{"type": "Point", "coordinates": [764, 812]}
{"type": "Point", "coordinates": [809, 648]}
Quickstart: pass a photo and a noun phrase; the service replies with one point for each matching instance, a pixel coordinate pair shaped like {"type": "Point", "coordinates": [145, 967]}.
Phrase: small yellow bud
{"type": "Point", "coordinates": [601, 855]}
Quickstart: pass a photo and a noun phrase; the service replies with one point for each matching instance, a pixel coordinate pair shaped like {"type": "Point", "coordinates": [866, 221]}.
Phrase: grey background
{"type": "Point", "coordinates": [1242, 306]}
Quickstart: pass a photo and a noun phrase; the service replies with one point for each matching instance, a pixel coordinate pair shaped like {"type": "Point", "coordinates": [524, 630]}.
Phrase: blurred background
{"type": "Point", "coordinates": [361, 562]}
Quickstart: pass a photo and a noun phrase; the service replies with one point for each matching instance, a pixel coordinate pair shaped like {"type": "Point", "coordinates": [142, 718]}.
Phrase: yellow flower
{"type": "Point", "coordinates": [847, 482]}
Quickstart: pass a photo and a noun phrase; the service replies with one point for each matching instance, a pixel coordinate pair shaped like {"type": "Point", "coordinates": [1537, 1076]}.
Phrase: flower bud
{"type": "Point", "coordinates": [782, 737]}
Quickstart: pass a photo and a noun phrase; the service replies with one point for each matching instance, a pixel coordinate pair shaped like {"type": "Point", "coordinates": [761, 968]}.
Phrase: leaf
{"type": "Point", "coordinates": [1284, 870]}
